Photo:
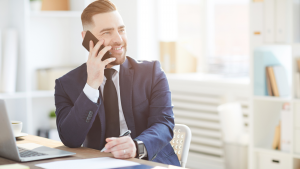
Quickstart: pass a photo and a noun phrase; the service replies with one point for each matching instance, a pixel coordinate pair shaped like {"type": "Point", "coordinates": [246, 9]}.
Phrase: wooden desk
{"type": "Point", "coordinates": [81, 153]}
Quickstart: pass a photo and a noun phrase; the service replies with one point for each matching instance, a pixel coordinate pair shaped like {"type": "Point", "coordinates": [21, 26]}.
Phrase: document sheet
{"type": "Point", "coordinates": [92, 163]}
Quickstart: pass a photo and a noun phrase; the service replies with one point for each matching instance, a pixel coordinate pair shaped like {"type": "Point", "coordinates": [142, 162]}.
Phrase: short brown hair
{"type": "Point", "coordinates": [96, 7]}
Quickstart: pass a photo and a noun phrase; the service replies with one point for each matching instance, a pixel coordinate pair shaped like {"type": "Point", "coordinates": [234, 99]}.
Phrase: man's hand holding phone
{"type": "Point", "coordinates": [95, 66]}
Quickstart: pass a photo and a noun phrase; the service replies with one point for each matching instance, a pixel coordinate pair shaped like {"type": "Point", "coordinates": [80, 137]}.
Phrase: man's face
{"type": "Point", "coordinates": [110, 27]}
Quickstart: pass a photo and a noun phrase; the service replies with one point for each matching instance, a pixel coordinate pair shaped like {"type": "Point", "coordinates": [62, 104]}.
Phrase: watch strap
{"type": "Point", "coordinates": [139, 148]}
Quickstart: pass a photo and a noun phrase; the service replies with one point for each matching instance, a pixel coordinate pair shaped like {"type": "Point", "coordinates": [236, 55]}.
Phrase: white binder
{"type": "Point", "coordinates": [281, 15]}
{"type": "Point", "coordinates": [286, 128]}
{"type": "Point", "coordinates": [10, 57]}
{"type": "Point", "coordinates": [269, 21]}
{"type": "Point", "coordinates": [257, 21]}
{"type": "Point", "coordinates": [1, 61]}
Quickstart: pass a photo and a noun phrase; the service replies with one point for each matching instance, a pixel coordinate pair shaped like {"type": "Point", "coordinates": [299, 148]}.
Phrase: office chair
{"type": "Point", "coordinates": [181, 142]}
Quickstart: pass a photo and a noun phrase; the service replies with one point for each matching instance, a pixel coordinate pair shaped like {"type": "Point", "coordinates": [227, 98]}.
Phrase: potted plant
{"type": "Point", "coordinates": [52, 117]}
{"type": "Point", "coordinates": [35, 5]}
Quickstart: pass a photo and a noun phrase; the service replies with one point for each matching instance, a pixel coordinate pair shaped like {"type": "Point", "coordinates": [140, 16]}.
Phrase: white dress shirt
{"type": "Point", "coordinates": [93, 95]}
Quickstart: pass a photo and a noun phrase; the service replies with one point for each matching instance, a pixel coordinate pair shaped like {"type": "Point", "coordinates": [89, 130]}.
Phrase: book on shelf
{"type": "Point", "coordinates": [297, 84]}
{"type": "Point", "coordinates": [278, 83]}
{"type": "Point", "coordinates": [273, 84]}
{"type": "Point", "coordinates": [281, 80]}
{"type": "Point", "coordinates": [297, 79]}
{"type": "Point", "coordinates": [262, 59]}
{"type": "Point", "coordinates": [276, 140]}
{"type": "Point", "coordinates": [270, 92]}
{"type": "Point", "coordinates": [298, 65]}
{"type": "Point", "coordinates": [0, 60]}
{"type": "Point", "coordinates": [286, 128]}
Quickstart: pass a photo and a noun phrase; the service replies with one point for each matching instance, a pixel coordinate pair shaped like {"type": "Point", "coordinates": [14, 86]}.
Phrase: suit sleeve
{"type": "Point", "coordinates": [74, 120]}
{"type": "Point", "coordinates": [161, 118]}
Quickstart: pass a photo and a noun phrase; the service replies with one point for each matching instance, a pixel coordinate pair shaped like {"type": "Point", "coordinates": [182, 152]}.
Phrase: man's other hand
{"type": "Point", "coordinates": [122, 147]}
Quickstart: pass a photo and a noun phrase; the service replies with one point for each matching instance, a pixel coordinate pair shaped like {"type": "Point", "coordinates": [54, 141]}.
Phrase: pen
{"type": "Point", "coordinates": [126, 133]}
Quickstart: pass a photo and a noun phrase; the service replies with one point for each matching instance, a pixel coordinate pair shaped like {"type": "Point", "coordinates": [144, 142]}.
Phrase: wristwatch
{"type": "Point", "coordinates": [140, 153]}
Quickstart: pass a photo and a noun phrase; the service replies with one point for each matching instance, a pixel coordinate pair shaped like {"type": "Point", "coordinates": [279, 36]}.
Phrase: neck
{"type": "Point", "coordinates": [109, 66]}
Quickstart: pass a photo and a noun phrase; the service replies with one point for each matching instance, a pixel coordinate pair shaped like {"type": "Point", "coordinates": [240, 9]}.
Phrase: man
{"type": "Point", "coordinates": [100, 100]}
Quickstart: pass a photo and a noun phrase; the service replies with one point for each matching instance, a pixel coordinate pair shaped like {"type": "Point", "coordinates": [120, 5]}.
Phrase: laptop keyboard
{"type": "Point", "coordinates": [29, 153]}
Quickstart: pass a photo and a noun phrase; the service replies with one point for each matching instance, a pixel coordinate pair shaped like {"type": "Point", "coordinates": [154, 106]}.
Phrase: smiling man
{"type": "Point", "coordinates": [100, 100]}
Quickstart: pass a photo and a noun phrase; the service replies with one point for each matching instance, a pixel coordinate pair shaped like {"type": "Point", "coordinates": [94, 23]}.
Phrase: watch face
{"type": "Point", "coordinates": [141, 148]}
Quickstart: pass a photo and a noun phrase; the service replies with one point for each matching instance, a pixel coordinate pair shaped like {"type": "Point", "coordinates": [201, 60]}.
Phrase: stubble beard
{"type": "Point", "coordinates": [120, 60]}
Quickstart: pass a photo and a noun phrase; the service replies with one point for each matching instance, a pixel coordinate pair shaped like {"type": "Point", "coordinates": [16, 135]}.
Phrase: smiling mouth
{"type": "Point", "coordinates": [116, 49]}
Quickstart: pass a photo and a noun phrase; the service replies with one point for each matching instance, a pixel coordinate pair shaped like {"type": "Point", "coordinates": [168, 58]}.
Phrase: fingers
{"type": "Point", "coordinates": [95, 50]}
{"type": "Point", "coordinates": [103, 51]}
{"type": "Point", "coordinates": [91, 46]}
{"type": "Point", "coordinates": [109, 60]}
{"type": "Point", "coordinates": [116, 146]}
{"type": "Point", "coordinates": [110, 139]}
{"type": "Point", "coordinates": [120, 153]}
{"type": "Point", "coordinates": [116, 141]}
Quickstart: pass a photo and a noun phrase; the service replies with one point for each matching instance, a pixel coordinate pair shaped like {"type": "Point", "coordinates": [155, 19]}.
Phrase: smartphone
{"type": "Point", "coordinates": [86, 43]}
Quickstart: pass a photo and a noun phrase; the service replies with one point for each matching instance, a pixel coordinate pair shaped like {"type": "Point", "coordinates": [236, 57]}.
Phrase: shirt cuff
{"type": "Point", "coordinates": [91, 93]}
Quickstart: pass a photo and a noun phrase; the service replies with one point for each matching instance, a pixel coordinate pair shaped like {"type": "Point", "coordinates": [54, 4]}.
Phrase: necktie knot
{"type": "Point", "coordinates": [109, 73]}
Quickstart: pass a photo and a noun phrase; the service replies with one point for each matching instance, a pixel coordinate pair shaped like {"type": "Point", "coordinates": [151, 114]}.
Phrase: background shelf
{"type": "Point", "coordinates": [56, 14]}
{"type": "Point", "coordinates": [42, 93]}
{"type": "Point", "coordinates": [270, 150]}
{"type": "Point", "coordinates": [273, 98]}
{"type": "Point", "coordinates": [17, 95]}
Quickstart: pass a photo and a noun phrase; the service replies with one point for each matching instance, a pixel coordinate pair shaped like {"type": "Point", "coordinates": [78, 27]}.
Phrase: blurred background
{"type": "Point", "coordinates": [216, 54]}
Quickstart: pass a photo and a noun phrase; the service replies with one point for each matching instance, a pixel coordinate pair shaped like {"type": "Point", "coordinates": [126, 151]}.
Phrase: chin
{"type": "Point", "coordinates": [119, 61]}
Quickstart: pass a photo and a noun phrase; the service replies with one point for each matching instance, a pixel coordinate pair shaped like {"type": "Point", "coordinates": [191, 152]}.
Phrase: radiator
{"type": "Point", "coordinates": [195, 105]}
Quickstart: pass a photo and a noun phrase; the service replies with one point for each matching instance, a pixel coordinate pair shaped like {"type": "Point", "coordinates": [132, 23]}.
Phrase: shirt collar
{"type": "Point", "coordinates": [116, 67]}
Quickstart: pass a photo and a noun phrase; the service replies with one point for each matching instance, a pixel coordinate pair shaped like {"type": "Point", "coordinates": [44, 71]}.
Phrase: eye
{"type": "Point", "coordinates": [122, 30]}
{"type": "Point", "coordinates": [106, 33]}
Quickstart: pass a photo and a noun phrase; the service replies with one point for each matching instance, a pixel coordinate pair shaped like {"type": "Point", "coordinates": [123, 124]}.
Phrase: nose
{"type": "Point", "coordinates": [117, 38]}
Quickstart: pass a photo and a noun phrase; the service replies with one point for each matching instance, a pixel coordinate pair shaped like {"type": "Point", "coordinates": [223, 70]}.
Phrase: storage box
{"type": "Point", "coordinates": [176, 59]}
{"type": "Point", "coordinates": [236, 156]}
{"type": "Point", "coordinates": [274, 161]}
{"type": "Point", "coordinates": [297, 141]}
{"type": "Point", "coordinates": [46, 77]}
{"type": "Point", "coordinates": [55, 5]}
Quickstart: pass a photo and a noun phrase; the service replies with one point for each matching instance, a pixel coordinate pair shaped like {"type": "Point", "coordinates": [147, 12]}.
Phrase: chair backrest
{"type": "Point", "coordinates": [181, 142]}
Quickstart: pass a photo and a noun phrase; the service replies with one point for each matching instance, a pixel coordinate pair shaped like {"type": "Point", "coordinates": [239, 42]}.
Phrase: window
{"type": "Point", "coordinates": [217, 32]}
{"type": "Point", "coordinates": [228, 30]}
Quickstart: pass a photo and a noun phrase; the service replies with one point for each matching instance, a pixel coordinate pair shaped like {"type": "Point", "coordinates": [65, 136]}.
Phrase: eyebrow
{"type": "Point", "coordinates": [109, 29]}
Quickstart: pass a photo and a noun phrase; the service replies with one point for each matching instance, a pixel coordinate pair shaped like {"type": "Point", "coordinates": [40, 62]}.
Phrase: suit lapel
{"type": "Point", "coordinates": [126, 85]}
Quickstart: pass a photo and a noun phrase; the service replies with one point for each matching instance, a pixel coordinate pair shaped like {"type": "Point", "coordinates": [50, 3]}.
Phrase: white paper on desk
{"type": "Point", "coordinates": [92, 163]}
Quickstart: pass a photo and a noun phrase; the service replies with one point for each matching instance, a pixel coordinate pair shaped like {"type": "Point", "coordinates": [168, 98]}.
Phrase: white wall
{"type": "Point", "coordinates": [140, 18]}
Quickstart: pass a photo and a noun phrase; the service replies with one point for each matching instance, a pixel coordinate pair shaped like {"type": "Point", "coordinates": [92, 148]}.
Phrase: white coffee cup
{"type": "Point", "coordinates": [16, 127]}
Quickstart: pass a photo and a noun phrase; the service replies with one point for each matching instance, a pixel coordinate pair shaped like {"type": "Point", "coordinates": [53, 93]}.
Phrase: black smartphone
{"type": "Point", "coordinates": [86, 43]}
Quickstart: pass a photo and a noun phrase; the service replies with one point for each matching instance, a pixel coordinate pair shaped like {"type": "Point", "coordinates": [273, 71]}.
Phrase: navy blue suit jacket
{"type": "Point", "coordinates": [146, 103]}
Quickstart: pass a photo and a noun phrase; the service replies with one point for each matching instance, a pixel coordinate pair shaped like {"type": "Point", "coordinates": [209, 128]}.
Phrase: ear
{"type": "Point", "coordinates": [83, 34]}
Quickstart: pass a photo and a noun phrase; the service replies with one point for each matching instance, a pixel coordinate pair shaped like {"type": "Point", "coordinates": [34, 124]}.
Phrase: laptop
{"type": "Point", "coordinates": [22, 152]}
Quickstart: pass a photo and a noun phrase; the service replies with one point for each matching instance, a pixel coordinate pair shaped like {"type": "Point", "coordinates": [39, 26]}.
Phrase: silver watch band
{"type": "Point", "coordinates": [143, 155]}
{"type": "Point", "coordinates": [140, 156]}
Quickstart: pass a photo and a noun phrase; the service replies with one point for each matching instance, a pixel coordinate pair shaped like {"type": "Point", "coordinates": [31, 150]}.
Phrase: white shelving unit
{"type": "Point", "coordinates": [55, 14]}
{"type": "Point", "coordinates": [46, 39]}
{"type": "Point", "coordinates": [265, 34]}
